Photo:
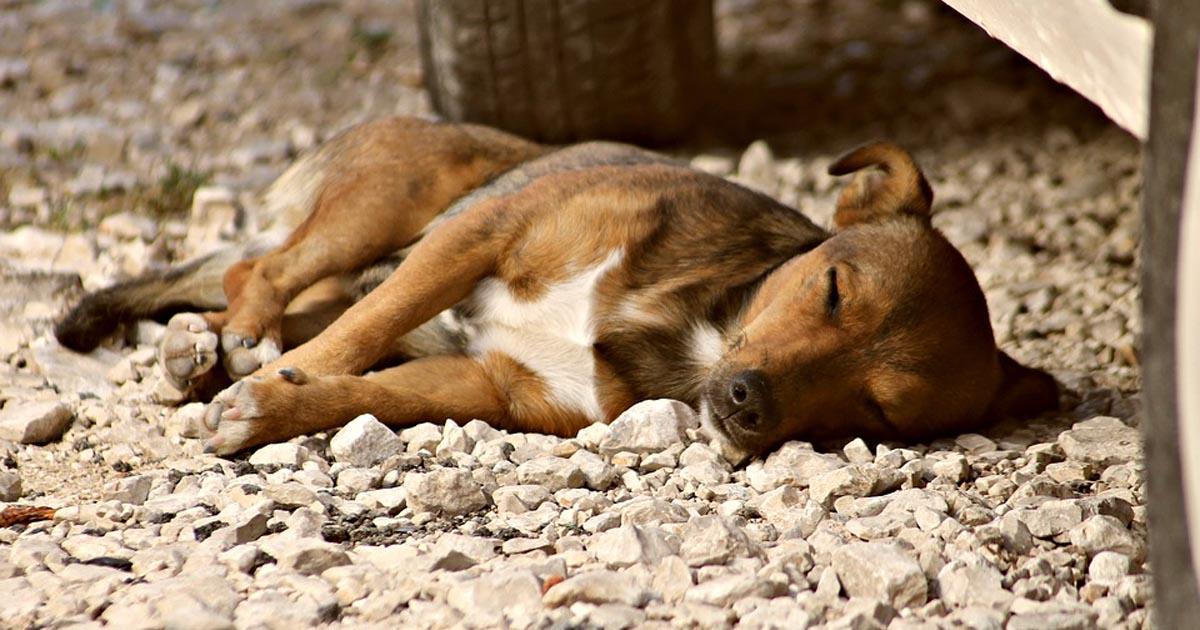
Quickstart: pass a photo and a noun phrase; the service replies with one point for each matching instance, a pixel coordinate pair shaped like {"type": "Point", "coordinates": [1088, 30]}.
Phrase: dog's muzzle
{"type": "Point", "coordinates": [740, 408]}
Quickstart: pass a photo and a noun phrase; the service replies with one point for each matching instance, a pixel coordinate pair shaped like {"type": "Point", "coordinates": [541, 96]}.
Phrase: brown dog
{"type": "Point", "coordinates": [544, 289]}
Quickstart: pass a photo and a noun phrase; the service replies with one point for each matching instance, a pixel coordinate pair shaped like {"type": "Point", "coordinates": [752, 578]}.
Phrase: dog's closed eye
{"type": "Point", "coordinates": [833, 299]}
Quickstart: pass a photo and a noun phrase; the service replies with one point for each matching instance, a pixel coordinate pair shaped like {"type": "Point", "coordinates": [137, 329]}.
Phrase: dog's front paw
{"type": "Point", "coordinates": [188, 350]}
{"type": "Point", "coordinates": [245, 354]}
{"type": "Point", "coordinates": [255, 410]}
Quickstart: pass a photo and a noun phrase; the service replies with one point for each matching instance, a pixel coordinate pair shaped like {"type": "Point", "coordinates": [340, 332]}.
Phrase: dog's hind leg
{"type": "Point", "coordinates": [381, 185]}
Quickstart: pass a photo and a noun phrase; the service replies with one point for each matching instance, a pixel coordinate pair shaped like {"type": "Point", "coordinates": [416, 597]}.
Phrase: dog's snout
{"type": "Point", "coordinates": [747, 395]}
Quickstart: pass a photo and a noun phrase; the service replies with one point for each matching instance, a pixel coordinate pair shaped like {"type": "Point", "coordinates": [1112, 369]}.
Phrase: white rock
{"type": "Point", "coordinates": [445, 490]}
{"type": "Point", "coordinates": [856, 480]}
{"type": "Point", "coordinates": [974, 443]}
{"type": "Point", "coordinates": [828, 585]}
{"type": "Point", "coordinates": [290, 494]}
{"type": "Point", "coordinates": [953, 467]}
{"type": "Point", "coordinates": [280, 454]}
{"type": "Point", "coordinates": [386, 498]}
{"type": "Point", "coordinates": [964, 584]}
{"type": "Point", "coordinates": [699, 452]}
{"type": "Point", "coordinates": [127, 225]}
{"type": "Point", "coordinates": [756, 168]}
{"type": "Point", "coordinates": [777, 613]}
{"type": "Point", "coordinates": [10, 485]}
{"type": "Point", "coordinates": [425, 436]}
{"type": "Point", "coordinates": [1108, 567]}
{"type": "Point", "coordinates": [628, 545]}
{"type": "Point", "coordinates": [857, 452]}
{"type": "Point", "coordinates": [793, 463]}
{"type": "Point", "coordinates": [727, 589]}
{"type": "Point", "coordinates": [714, 540]}
{"type": "Point", "coordinates": [474, 547]}
{"type": "Point", "coordinates": [215, 217]}
{"type": "Point", "coordinates": [34, 422]}
{"type": "Point", "coordinates": [355, 480]}
{"type": "Point", "coordinates": [783, 508]}
{"type": "Point", "coordinates": [86, 548]}
{"type": "Point", "coordinates": [591, 436]}
{"type": "Point", "coordinates": [657, 461]}
{"type": "Point", "coordinates": [489, 599]}
{"type": "Point", "coordinates": [648, 427]}
{"type": "Point", "coordinates": [134, 489]}
{"type": "Point", "coordinates": [1105, 533]}
{"type": "Point", "coordinates": [597, 587]}
{"type": "Point", "coordinates": [552, 473]}
{"type": "Point", "coordinates": [671, 578]}
{"type": "Point", "coordinates": [651, 511]}
{"type": "Point", "coordinates": [713, 164]}
{"type": "Point", "coordinates": [862, 612]}
{"type": "Point", "coordinates": [1102, 440]}
{"type": "Point", "coordinates": [82, 374]}
{"type": "Point", "coordinates": [1052, 518]}
{"type": "Point", "coordinates": [308, 556]}
{"type": "Point", "coordinates": [533, 522]}
{"type": "Point", "coordinates": [705, 473]}
{"type": "Point", "coordinates": [526, 497]}
{"type": "Point", "coordinates": [882, 571]}
{"type": "Point", "coordinates": [23, 196]}
{"type": "Point", "coordinates": [364, 441]}
{"type": "Point", "coordinates": [597, 474]}
{"type": "Point", "coordinates": [1016, 535]}
{"type": "Point", "coordinates": [454, 440]}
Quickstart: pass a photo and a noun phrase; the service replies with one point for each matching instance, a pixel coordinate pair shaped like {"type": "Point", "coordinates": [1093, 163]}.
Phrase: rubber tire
{"type": "Point", "coordinates": [568, 70]}
{"type": "Point", "coordinates": [1172, 116]}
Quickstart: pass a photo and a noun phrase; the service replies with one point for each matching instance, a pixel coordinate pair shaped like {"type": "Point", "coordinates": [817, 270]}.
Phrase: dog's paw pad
{"type": "Point", "coordinates": [229, 419]}
{"type": "Point", "coordinates": [241, 361]}
{"type": "Point", "coordinates": [188, 349]}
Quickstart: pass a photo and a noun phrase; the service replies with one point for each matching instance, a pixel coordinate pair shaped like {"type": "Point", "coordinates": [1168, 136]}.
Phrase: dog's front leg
{"type": "Point", "coordinates": [441, 271]}
{"type": "Point", "coordinates": [289, 402]}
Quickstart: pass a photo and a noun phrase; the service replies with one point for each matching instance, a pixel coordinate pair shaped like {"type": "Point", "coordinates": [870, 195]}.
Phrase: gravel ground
{"type": "Point", "coordinates": [115, 113]}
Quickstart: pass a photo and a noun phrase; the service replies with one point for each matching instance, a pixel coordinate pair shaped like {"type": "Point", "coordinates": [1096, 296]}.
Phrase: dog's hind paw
{"type": "Point", "coordinates": [244, 354]}
{"type": "Point", "coordinates": [188, 350]}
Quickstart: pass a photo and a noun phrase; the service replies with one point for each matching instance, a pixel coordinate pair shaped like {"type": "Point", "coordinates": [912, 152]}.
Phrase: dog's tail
{"type": "Point", "coordinates": [903, 189]}
{"type": "Point", "coordinates": [193, 285]}
{"type": "Point", "coordinates": [198, 284]}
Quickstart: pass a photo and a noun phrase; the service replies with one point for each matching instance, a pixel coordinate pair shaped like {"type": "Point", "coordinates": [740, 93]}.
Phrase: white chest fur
{"type": "Point", "coordinates": [551, 335]}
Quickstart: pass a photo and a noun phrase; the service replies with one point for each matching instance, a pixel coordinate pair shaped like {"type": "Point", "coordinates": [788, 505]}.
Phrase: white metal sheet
{"type": "Point", "coordinates": [1098, 51]}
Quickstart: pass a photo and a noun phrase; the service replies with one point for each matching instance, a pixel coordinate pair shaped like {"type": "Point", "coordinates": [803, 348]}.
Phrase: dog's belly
{"type": "Point", "coordinates": [551, 336]}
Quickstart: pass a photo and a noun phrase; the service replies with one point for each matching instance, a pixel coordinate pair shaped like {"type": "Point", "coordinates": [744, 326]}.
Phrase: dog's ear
{"type": "Point", "coordinates": [1024, 392]}
{"type": "Point", "coordinates": [898, 189]}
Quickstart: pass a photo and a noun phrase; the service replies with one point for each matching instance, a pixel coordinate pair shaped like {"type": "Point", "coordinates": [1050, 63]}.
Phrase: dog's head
{"type": "Point", "coordinates": [882, 331]}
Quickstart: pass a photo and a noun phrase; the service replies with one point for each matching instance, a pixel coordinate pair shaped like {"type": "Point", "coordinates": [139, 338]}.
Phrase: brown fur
{"type": "Point", "coordinates": [878, 329]}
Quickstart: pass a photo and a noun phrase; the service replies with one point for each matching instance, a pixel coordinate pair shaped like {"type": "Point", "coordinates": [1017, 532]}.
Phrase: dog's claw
{"type": "Point", "coordinates": [293, 375]}
{"type": "Point", "coordinates": [231, 418]}
{"type": "Point", "coordinates": [212, 416]}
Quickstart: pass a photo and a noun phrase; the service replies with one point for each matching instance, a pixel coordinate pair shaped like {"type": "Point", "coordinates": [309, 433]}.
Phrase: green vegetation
{"type": "Point", "coordinates": [372, 40]}
{"type": "Point", "coordinates": [172, 195]}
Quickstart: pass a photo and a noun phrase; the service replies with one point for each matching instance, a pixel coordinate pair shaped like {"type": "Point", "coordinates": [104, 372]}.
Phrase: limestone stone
{"type": "Point", "coordinates": [882, 571]}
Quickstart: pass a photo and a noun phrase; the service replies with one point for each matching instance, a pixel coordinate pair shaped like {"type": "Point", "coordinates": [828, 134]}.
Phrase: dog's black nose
{"type": "Point", "coordinates": [748, 396]}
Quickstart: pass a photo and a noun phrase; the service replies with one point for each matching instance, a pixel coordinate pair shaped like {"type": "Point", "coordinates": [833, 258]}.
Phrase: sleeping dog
{"type": "Point", "coordinates": [422, 271]}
